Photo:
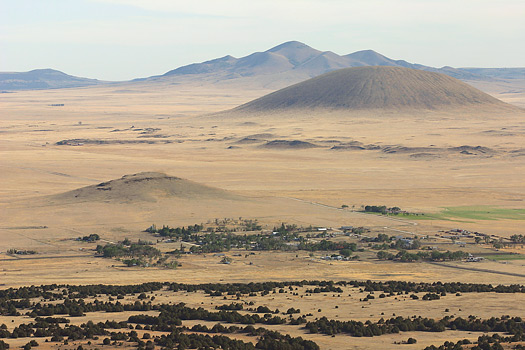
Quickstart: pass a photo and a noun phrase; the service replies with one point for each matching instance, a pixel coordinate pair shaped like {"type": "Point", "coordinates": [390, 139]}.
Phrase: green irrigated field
{"type": "Point", "coordinates": [482, 212]}
{"type": "Point", "coordinates": [503, 257]}
{"type": "Point", "coordinates": [478, 212]}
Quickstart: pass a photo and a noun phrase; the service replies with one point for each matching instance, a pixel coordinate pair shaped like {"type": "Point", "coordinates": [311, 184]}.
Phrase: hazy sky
{"type": "Point", "coordinates": [125, 39]}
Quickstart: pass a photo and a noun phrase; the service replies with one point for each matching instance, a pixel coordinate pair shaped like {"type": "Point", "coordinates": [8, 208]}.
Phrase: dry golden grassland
{"type": "Point", "coordinates": [151, 128]}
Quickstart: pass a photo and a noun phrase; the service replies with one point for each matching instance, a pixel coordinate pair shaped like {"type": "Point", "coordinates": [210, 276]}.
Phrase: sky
{"type": "Point", "coordinates": [127, 39]}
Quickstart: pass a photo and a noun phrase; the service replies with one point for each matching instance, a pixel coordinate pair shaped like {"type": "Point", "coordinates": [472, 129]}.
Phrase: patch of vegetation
{"type": "Point", "coordinates": [284, 238]}
{"type": "Point", "coordinates": [517, 238]}
{"type": "Point", "coordinates": [511, 325]}
{"type": "Point", "coordinates": [21, 251]}
{"type": "Point", "coordinates": [91, 238]}
{"type": "Point", "coordinates": [480, 212]}
{"type": "Point", "coordinates": [127, 248]}
{"type": "Point", "coordinates": [484, 342]}
{"type": "Point", "coordinates": [386, 242]}
{"type": "Point", "coordinates": [405, 256]}
{"type": "Point", "coordinates": [499, 257]}
{"type": "Point", "coordinates": [392, 211]}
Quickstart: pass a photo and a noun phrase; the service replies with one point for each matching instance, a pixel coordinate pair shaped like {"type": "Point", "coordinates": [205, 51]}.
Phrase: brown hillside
{"type": "Point", "coordinates": [375, 88]}
{"type": "Point", "coordinates": [147, 186]}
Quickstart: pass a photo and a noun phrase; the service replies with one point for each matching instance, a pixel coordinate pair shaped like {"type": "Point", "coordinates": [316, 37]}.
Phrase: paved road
{"type": "Point", "coordinates": [478, 270]}
{"type": "Point", "coordinates": [48, 257]}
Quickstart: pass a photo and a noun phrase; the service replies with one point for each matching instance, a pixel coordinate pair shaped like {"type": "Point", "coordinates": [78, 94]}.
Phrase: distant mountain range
{"type": "Point", "coordinates": [296, 56]}
{"type": "Point", "coordinates": [40, 79]}
{"type": "Point", "coordinates": [277, 67]}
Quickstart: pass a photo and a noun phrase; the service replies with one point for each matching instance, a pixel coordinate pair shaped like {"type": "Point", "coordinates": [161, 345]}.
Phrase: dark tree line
{"type": "Point", "coordinates": [133, 250]}
{"type": "Point", "coordinates": [484, 342]}
{"type": "Point", "coordinates": [405, 256]}
{"type": "Point", "coordinates": [509, 325]}
{"type": "Point", "coordinates": [14, 299]}
{"type": "Point", "coordinates": [173, 314]}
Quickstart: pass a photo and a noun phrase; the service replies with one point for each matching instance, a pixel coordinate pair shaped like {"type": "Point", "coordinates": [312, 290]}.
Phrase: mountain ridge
{"type": "Point", "coordinates": [301, 57]}
{"type": "Point", "coordinates": [277, 67]}
{"type": "Point", "coordinates": [41, 79]}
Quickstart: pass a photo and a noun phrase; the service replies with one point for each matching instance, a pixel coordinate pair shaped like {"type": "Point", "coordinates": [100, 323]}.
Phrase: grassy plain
{"type": "Point", "coordinates": [162, 128]}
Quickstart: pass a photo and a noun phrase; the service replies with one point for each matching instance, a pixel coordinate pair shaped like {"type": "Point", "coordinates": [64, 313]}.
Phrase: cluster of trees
{"type": "Point", "coordinates": [433, 296]}
{"type": "Point", "coordinates": [251, 288]}
{"type": "Point", "coordinates": [285, 237]}
{"type": "Point", "coordinates": [91, 238]}
{"type": "Point", "coordinates": [177, 232]}
{"type": "Point", "coordinates": [381, 237]}
{"type": "Point", "coordinates": [510, 325]}
{"type": "Point", "coordinates": [21, 251]}
{"type": "Point", "coordinates": [42, 328]}
{"type": "Point", "coordinates": [405, 256]}
{"type": "Point", "coordinates": [325, 289]}
{"type": "Point", "coordinates": [375, 209]}
{"type": "Point", "coordinates": [219, 242]}
{"type": "Point", "coordinates": [450, 345]}
{"type": "Point", "coordinates": [232, 306]}
{"type": "Point", "coordinates": [382, 209]}
{"type": "Point", "coordinates": [170, 316]}
{"type": "Point", "coordinates": [370, 329]}
{"type": "Point", "coordinates": [78, 307]}
{"type": "Point", "coordinates": [517, 238]}
{"type": "Point", "coordinates": [173, 314]}
{"type": "Point", "coordinates": [484, 342]}
{"type": "Point", "coordinates": [214, 242]}
{"type": "Point", "coordinates": [324, 245]}
{"type": "Point", "coordinates": [267, 339]}
{"type": "Point", "coordinates": [399, 244]}
{"type": "Point", "coordinates": [63, 291]}
{"type": "Point", "coordinates": [179, 340]}
{"type": "Point", "coordinates": [184, 233]}
{"type": "Point", "coordinates": [128, 249]}
{"type": "Point", "coordinates": [435, 287]}
{"type": "Point", "coordinates": [286, 229]}
{"type": "Point", "coordinates": [12, 299]}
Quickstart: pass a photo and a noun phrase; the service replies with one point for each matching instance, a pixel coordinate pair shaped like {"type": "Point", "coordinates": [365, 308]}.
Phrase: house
{"type": "Point", "coordinates": [406, 241]}
{"type": "Point", "coordinates": [474, 258]}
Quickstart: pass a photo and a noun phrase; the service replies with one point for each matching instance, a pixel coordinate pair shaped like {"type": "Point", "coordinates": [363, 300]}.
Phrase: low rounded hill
{"type": "Point", "coordinates": [146, 186]}
{"type": "Point", "coordinates": [376, 87]}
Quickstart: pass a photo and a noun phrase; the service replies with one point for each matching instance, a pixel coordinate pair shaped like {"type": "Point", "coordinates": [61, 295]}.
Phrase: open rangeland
{"type": "Point", "coordinates": [451, 172]}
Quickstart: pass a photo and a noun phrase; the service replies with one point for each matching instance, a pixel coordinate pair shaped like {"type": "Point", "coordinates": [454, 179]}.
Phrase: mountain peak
{"type": "Point", "coordinates": [296, 52]}
{"type": "Point", "coordinates": [371, 58]}
{"type": "Point", "coordinates": [37, 79]}
{"type": "Point", "coordinates": [46, 71]}
{"type": "Point", "coordinates": [289, 45]}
